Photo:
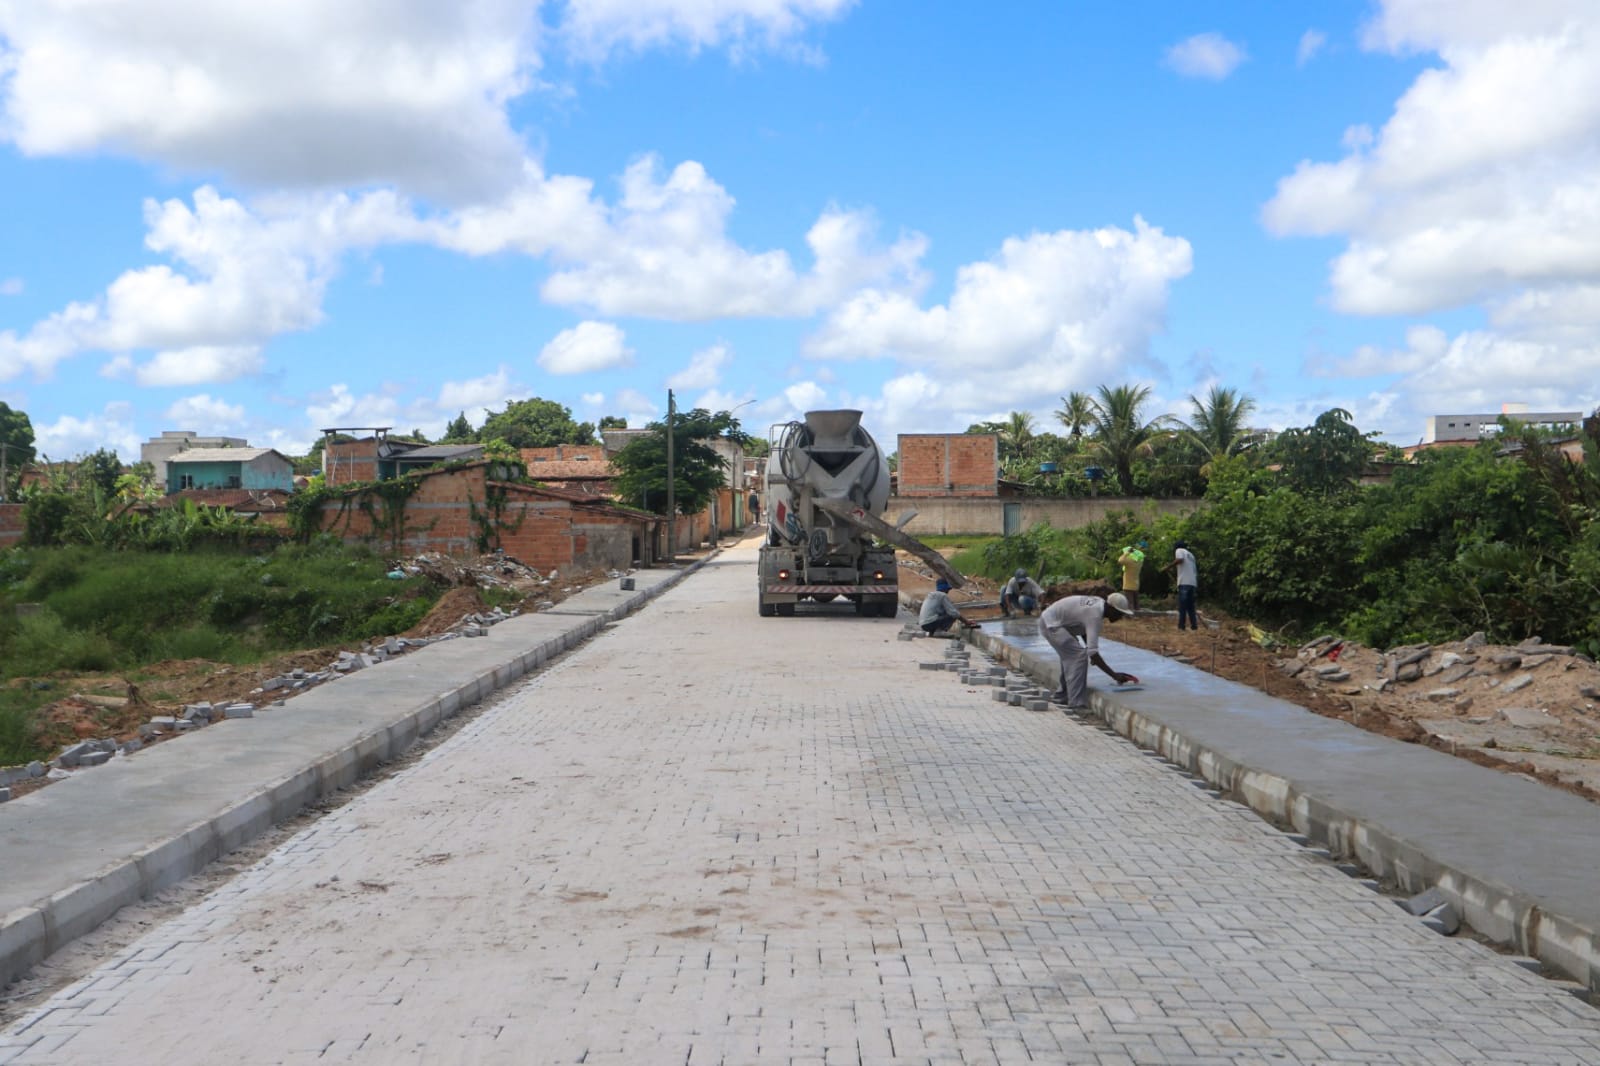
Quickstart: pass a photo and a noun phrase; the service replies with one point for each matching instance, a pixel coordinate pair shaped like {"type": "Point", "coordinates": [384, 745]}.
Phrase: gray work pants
{"type": "Point", "coordinates": [1074, 663]}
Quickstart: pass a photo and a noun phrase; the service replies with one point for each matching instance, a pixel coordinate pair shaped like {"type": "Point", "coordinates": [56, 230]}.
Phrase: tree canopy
{"type": "Point", "coordinates": [16, 434]}
{"type": "Point", "coordinates": [1121, 433]}
{"type": "Point", "coordinates": [698, 471]}
{"type": "Point", "coordinates": [533, 423]}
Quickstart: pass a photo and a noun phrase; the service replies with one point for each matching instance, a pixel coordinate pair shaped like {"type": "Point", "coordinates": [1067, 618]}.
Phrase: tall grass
{"type": "Point", "coordinates": [103, 610]}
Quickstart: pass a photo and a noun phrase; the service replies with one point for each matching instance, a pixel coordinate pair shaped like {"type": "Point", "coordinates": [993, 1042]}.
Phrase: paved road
{"type": "Point", "coordinates": [709, 837]}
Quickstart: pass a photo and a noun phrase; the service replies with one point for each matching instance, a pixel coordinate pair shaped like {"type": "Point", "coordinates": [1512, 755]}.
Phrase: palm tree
{"type": "Point", "coordinates": [1218, 425]}
{"type": "Point", "coordinates": [1077, 412]}
{"type": "Point", "coordinates": [1120, 432]}
{"type": "Point", "coordinates": [1016, 432]}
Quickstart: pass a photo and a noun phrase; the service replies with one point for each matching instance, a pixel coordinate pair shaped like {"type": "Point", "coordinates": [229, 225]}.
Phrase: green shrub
{"type": "Point", "coordinates": [42, 644]}
{"type": "Point", "coordinates": [198, 641]}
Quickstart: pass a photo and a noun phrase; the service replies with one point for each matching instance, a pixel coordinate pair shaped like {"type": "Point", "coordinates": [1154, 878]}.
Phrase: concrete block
{"type": "Point", "coordinates": [36, 769]}
{"type": "Point", "coordinates": [930, 666]}
{"type": "Point", "coordinates": [164, 722]}
{"type": "Point", "coordinates": [94, 758]}
{"type": "Point", "coordinates": [1442, 695]}
{"type": "Point", "coordinates": [1037, 705]}
{"type": "Point", "coordinates": [273, 684]}
{"type": "Point", "coordinates": [72, 754]}
{"type": "Point", "coordinates": [1521, 681]}
{"type": "Point", "coordinates": [1000, 695]}
{"type": "Point", "coordinates": [1015, 697]}
{"type": "Point", "coordinates": [1526, 717]}
{"type": "Point", "coordinates": [245, 711]}
{"type": "Point", "coordinates": [1423, 902]}
{"type": "Point", "coordinates": [5, 793]}
{"type": "Point", "coordinates": [1443, 919]}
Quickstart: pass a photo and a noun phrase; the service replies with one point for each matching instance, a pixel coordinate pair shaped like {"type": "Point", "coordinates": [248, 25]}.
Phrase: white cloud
{"type": "Point", "coordinates": [636, 407]}
{"type": "Point", "coordinates": [596, 27]}
{"type": "Point", "coordinates": [663, 252]}
{"type": "Point", "coordinates": [199, 366]}
{"type": "Point", "coordinates": [804, 396]}
{"type": "Point", "coordinates": [1482, 188]}
{"type": "Point", "coordinates": [593, 399]}
{"type": "Point", "coordinates": [243, 278]}
{"type": "Point", "coordinates": [10, 286]}
{"type": "Point", "coordinates": [295, 93]}
{"type": "Point", "coordinates": [69, 437]}
{"type": "Point", "coordinates": [704, 369]}
{"type": "Point", "coordinates": [1483, 181]}
{"type": "Point", "coordinates": [1049, 313]}
{"type": "Point", "coordinates": [1205, 55]}
{"type": "Point", "coordinates": [1311, 42]}
{"type": "Point", "coordinates": [586, 347]}
{"type": "Point", "coordinates": [491, 391]}
{"type": "Point", "coordinates": [337, 406]}
{"type": "Point", "coordinates": [205, 410]}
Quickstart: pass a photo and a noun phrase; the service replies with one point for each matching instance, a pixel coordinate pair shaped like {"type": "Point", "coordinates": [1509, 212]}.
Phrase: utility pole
{"type": "Point", "coordinates": [672, 509]}
{"type": "Point", "coordinates": [3, 447]}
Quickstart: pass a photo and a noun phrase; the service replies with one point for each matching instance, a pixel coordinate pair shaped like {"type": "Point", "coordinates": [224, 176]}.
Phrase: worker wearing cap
{"type": "Point", "coordinates": [938, 613]}
{"type": "Point", "coordinates": [1132, 562]}
{"type": "Point", "coordinates": [1021, 592]}
{"type": "Point", "coordinates": [1072, 627]}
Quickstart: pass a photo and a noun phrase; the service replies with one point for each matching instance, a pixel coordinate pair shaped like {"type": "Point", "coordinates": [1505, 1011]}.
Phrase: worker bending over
{"type": "Point", "coordinates": [1072, 627]}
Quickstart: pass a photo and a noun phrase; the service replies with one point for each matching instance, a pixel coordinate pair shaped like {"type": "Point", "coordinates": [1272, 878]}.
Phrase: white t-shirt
{"type": "Point", "coordinates": [1022, 586]}
{"type": "Point", "coordinates": [935, 607]}
{"type": "Point", "coordinates": [1079, 615]}
{"type": "Point", "coordinates": [1188, 571]}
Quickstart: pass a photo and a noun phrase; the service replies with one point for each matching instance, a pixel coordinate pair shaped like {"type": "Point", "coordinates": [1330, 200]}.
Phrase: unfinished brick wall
{"type": "Point", "coordinates": [948, 464]}
{"type": "Point", "coordinates": [562, 453]}
{"type": "Point", "coordinates": [450, 512]}
{"type": "Point", "coordinates": [351, 461]}
{"type": "Point", "coordinates": [10, 524]}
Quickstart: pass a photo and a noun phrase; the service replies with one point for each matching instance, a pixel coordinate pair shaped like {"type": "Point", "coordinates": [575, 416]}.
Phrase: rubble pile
{"type": "Point", "coordinates": [1541, 701]}
{"type": "Point", "coordinates": [496, 570]}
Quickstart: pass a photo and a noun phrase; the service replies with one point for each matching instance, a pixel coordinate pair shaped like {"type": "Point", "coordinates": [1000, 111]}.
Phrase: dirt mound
{"type": "Point", "coordinates": [1090, 587]}
{"type": "Point", "coordinates": [455, 604]}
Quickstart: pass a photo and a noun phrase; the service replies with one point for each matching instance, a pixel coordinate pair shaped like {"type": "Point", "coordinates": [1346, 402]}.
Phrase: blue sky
{"type": "Point", "coordinates": [263, 220]}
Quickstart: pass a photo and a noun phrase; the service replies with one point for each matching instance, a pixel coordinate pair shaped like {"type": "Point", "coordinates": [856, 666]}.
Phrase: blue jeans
{"type": "Point", "coordinates": [1186, 606]}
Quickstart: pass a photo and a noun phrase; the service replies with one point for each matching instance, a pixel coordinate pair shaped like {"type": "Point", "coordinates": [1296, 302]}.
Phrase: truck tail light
{"type": "Point", "coordinates": [877, 575]}
{"type": "Point", "coordinates": [783, 575]}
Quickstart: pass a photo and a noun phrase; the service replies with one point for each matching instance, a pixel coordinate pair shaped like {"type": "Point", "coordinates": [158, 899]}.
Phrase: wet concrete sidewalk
{"type": "Point", "coordinates": [1520, 861]}
{"type": "Point", "coordinates": [74, 853]}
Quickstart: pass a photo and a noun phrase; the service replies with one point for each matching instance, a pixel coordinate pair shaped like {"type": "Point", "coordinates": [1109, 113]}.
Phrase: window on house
{"type": "Point", "coordinates": [186, 481]}
{"type": "Point", "coordinates": [233, 481]}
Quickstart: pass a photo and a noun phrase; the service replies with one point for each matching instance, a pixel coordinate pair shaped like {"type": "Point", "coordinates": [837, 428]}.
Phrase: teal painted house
{"type": "Point", "coordinates": [230, 468]}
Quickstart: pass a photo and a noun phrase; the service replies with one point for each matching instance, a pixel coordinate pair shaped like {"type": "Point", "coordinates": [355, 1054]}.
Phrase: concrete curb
{"type": "Point", "coordinates": [30, 934]}
{"type": "Point", "coordinates": [1502, 913]}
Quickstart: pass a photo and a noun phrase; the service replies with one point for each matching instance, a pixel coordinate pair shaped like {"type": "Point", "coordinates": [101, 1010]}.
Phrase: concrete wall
{"type": "Point", "coordinates": [987, 516]}
{"type": "Point", "coordinates": [157, 450]}
{"type": "Point", "coordinates": [948, 464]}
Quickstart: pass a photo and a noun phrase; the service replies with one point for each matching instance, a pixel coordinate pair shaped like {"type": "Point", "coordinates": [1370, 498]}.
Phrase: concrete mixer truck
{"type": "Point", "coordinates": [827, 486]}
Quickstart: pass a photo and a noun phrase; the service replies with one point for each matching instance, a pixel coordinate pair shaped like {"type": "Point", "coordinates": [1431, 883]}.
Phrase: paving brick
{"type": "Point", "coordinates": [651, 852]}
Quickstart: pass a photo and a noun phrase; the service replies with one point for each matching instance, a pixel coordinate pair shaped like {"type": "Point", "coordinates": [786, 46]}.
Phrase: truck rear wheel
{"type": "Point", "coordinates": [767, 610]}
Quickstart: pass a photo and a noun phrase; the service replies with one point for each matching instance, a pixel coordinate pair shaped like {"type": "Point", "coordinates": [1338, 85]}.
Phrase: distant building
{"type": "Point", "coordinates": [948, 464]}
{"type": "Point", "coordinates": [1450, 428]}
{"type": "Point", "coordinates": [229, 468]}
{"type": "Point", "coordinates": [379, 458]}
{"type": "Point", "coordinates": [157, 450]}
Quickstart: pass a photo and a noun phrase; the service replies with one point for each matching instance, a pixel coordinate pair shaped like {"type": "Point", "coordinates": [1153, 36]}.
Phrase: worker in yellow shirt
{"type": "Point", "coordinates": [1132, 562]}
